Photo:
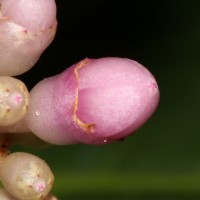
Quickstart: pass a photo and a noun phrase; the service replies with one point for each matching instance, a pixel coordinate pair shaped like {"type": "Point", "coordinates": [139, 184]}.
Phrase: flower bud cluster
{"type": "Point", "coordinates": [95, 101]}
{"type": "Point", "coordinates": [25, 32]}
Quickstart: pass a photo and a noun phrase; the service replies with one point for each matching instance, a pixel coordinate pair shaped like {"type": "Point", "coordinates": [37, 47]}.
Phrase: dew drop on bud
{"type": "Point", "coordinates": [26, 176]}
{"type": "Point", "coordinates": [14, 100]}
{"type": "Point", "coordinates": [37, 113]}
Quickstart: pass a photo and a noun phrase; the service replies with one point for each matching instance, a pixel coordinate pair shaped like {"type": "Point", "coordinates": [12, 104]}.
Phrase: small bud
{"type": "Point", "coordinates": [14, 100]}
{"type": "Point", "coordinates": [26, 176]}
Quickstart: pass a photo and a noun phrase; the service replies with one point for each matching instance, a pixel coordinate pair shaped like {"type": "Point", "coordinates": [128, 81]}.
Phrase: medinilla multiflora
{"type": "Point", "coordinates": [25, 176]}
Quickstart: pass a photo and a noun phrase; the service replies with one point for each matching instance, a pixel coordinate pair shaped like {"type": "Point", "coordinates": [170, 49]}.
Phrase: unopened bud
{"type": "Point", "coordinates": [14, 100]}
{"type": "Point", "coordinates": [26, 176]}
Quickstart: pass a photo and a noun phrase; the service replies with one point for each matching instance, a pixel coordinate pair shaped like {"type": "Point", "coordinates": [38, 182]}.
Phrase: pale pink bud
{"type": "Point", "coordinates": [26, 29]}
{"type": "Point", "coordinates": [95, 101]}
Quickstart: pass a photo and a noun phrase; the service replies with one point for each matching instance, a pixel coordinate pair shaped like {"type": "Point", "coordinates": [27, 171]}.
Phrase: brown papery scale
{"type": "Point", "coordinates": [26, 177]}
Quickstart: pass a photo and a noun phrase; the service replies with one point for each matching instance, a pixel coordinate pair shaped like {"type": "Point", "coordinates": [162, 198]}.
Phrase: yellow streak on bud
{"type": "Point", "coordinates": [89, 128]}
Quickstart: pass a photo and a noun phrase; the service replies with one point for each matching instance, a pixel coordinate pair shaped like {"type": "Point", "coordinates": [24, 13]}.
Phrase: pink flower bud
{"type": "Point", "coordinates": [95, 101]}
{"type": "Point", "coordinates": [26, 29]}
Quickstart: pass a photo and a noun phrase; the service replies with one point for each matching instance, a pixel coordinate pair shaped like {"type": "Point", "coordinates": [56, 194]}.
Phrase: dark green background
{"type": "Point", "coordinates": [162, 160]}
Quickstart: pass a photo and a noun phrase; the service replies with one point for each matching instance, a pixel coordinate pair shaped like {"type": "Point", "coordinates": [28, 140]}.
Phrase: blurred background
{"type": "Point", "coordinates": [161, 160]}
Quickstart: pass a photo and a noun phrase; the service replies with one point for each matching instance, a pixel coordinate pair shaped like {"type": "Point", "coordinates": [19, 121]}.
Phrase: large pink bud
{"type": "Point", "coordinates": [26, 29]}
{"type": "Point", "coordinates": [95, 101]}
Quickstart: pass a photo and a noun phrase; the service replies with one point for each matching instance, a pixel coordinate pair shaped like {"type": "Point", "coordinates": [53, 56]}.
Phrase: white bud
{"type": "Point", "coordinates": [26, 177]}
{"type": "Point", "coordinates": [14, 100]}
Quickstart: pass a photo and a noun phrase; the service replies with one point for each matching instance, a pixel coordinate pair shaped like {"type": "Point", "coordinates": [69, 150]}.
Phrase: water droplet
{"type": "Point", "coordinates": [105, 140]}
{"type": "Point", "coordinates": [37, 113]}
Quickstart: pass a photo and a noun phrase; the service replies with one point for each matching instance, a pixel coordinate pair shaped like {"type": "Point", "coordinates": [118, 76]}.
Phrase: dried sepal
{"type": "Point", "coordinates": [26, 177]}
{"type": "Point", "coordinates": [4, 149]}
{"type": "Point", "coordinates": [14, 100]}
